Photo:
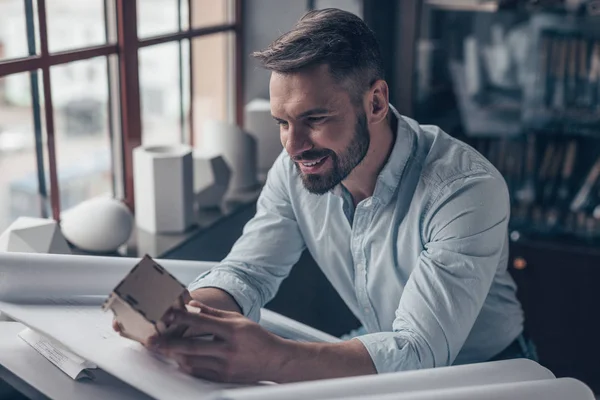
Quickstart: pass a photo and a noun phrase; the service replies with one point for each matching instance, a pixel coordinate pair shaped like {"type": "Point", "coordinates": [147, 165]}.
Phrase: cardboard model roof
{"type": "Point", "coordinates": [142, 298]}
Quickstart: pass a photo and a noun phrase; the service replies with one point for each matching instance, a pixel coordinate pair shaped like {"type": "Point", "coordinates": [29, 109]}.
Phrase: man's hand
{"type": "Point", "coordinates": [212, 297]}
{"type": "Point", "coordinates": [241, 351]}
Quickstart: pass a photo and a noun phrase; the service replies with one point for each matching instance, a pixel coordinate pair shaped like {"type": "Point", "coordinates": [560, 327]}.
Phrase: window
{"type": "Point", "coordinates": [82, 83]}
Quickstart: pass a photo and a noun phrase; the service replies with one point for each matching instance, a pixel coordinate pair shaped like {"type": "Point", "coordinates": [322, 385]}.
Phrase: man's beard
{"type": "Point", "coordinates": [343, 164]}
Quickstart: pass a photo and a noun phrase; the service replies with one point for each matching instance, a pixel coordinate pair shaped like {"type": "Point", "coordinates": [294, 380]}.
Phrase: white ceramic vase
{"type": "Point", "coordinates": [259, 123]}
{"type": "Point", "coordinates": [163, 188]}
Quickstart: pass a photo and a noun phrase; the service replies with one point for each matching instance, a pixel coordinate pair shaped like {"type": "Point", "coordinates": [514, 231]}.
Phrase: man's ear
{"type": "Point", "coordinates": [377, 102]}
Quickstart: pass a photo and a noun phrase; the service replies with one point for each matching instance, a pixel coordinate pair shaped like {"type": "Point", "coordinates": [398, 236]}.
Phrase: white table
{"type": "Point", "coordinates": [30, 373]}
{"type": "Point", "coordinates": [37, 378]}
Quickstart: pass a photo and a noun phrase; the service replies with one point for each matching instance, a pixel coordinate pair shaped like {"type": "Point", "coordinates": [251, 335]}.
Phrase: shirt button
{"type": "Point", "coordinates": [366, 310]}
{"type": "Point", "coordinates": [360, 266]}
{"type": "Point", "coordinates": [368, 203]}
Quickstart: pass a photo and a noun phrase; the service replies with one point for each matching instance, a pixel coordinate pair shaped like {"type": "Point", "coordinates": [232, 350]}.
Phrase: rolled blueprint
{"type": "Point", "coordinates": [30, 277]}
{"type": "Point", "coordinates": [490, 373]}
{"type": "Point", "coordinates": [556, 389]}
{"type": "Point", "coordinates": [54, 279]}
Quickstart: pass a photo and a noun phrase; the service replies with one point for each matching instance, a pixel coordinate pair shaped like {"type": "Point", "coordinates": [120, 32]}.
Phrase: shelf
{"type": "Point", "coordinates": [464, 5]}
{"type": "Point", "coordinates": [561, 243]}
{"type": "Point", "coordinates": [492, 6]}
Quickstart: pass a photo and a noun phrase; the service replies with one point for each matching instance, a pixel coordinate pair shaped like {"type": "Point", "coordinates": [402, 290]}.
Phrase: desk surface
{"type": "Point", "coordinates": [37, 378]}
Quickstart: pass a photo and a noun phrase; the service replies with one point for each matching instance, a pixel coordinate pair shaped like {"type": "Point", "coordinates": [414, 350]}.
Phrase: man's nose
{"type": "Point", "coordinates": [297, 142]}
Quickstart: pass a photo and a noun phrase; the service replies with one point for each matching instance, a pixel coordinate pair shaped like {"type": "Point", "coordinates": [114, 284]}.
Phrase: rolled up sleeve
{"type": "Point", "coordinates": [271, 243]}
{"type": "Point", "coordinates": [464, 232]}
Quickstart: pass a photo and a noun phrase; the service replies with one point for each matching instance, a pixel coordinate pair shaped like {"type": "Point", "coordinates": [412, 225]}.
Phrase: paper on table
{"type": "Point", "coordinates": [85, 330]}
{"type": "Point", "coordinates": [292, 329]}
{"type": "Point", "coordinates": [41, 289]}
{"type": "Point", "coordinates": [72, 365]}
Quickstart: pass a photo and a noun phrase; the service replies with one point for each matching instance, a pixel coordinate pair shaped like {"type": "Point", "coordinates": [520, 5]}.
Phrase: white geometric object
{"type": "Point", "coordinates": [100, 224]}
{"type": "Point", "coordinates": [163, 187]}
{"type": "Point", "coordinates": [237, 148]}
{"type": "Point", "coordinates": [259, 123]}
{"type": "Point", "coordinates": [211, 179]}
{"type": "Point", "coordinates": [402, 383]}
{"type": "Point", "coordinates": [34, 235]}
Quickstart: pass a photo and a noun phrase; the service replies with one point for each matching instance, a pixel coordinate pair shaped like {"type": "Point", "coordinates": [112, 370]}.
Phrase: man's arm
{"type": "Point", "coordinates": [216, 298]}
{"type": "Point", "coordinates": [262, 257]}
{"type": "Point", "coordinates": [465, 230]}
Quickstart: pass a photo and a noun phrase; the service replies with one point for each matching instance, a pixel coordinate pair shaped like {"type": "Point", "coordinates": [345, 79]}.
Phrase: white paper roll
{"type": "Point", "coordinates": [43, 278]}
{"type": "Point", "coordinates": [237, 148]}
{"type": "Point", "coordinates": [556, 389]}
{"type": "Point", "coordinates": [259, 123]}
{"type": "Point", "coordinates": [164, 188]}
{"type": "Point", "coordinates": [32, 277]}
{"type": "Point", "coordinates": [376, 386]}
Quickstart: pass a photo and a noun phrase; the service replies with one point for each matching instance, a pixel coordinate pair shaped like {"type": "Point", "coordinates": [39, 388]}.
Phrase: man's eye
{"type": "Point", "coordinates": [282, 123]}
{"type": "Point", "coordinates": [315, 119]}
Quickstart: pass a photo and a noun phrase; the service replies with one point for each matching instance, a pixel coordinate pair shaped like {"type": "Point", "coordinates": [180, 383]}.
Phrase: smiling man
{"type": "Point", "coordinates": [408, 224]}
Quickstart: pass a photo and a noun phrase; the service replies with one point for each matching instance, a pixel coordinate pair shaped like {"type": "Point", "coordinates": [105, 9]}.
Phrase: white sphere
{"type": "Point", "coordinates": [100, 225]}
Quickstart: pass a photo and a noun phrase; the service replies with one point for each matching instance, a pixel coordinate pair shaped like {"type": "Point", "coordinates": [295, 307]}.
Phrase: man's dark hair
{"type": "Point", "coordinates": [330, 36]}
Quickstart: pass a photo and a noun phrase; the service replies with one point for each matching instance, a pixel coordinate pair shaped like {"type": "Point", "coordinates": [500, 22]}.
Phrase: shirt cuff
{"type": "Point", "coordinates": [391, 352]}
{"type": "Point", "coordinates": [230, 282]}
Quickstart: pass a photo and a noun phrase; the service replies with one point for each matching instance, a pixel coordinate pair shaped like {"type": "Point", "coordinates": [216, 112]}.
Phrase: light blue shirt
{"type": "Point", "coordinates": [422, 263]}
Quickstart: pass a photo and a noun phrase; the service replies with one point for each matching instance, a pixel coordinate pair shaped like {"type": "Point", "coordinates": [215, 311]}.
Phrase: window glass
{"type": "Point", "coordinates": [75, 24]}
{"type": "Point", "coordinates": [80, 100]}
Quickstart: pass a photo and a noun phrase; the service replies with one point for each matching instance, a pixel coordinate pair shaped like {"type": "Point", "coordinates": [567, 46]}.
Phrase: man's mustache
{"type": "Point", "coordinates": [311, 155]}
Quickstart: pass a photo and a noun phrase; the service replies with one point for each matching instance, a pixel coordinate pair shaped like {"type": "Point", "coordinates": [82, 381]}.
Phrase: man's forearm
{"type": "Point", "coordinates": [312, 361]}
{"type": "Point", "coordinates": [216, 298]}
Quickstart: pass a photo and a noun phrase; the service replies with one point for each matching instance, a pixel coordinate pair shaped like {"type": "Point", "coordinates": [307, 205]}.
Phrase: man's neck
{"type": "Point", "coordinates": [361, 182]}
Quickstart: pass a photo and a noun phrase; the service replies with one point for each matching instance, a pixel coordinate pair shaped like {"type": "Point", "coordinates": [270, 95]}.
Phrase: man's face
{"type": "Point", "coordinates": [323, 132]}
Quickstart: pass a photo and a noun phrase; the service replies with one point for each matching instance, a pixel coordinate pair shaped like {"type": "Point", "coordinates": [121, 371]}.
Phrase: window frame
{"type": "Point", "coordinates": [125, 108]}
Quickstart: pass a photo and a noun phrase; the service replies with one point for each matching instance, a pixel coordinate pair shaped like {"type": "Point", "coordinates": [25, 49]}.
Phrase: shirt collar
{"type": "Point", "coordinates": [390, 176]}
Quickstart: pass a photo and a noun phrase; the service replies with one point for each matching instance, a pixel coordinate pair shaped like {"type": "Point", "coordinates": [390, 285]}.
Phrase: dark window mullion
{"type": "Point", "coordinates": [129, 84]}
{"type": "Point", "coordinates": [191, 73]}
{"type": "Point", "coordinates": [54, 186]}
{"type": "Point", "coordinates": [109, 107]}
{"type": "Point", "coordinates": [239, 63]}
{"type": "Point", "coordinates": [36, 111]}
{"type": "Point", "coordinates": [180, 48]}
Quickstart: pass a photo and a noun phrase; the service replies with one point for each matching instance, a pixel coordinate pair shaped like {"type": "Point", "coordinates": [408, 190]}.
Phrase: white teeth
{"type": "Point", "coordinates": [312, 163]}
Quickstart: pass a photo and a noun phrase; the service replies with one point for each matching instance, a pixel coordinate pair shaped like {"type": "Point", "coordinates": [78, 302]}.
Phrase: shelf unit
{"type": "Point", "coordinates": [469, 62]}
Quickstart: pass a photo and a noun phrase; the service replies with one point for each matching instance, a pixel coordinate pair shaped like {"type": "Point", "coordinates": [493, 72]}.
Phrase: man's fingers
{"type": "Point", "coordinates": [209, 310]}
{"type": "Point", "coordinates": [191, 347]}
{"type": "Point", "coordinates": [116, 326]}
{"type": "Point", "coordinates": [202, 367]}
{"type": "Point", "coordinates": [201, 373]}
{"type": "Point", "coordinates": [201, 323]}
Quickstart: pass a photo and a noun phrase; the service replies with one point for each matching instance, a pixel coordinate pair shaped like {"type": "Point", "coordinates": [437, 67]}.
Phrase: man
{"type": "Point", "coordinates": [408, 224]}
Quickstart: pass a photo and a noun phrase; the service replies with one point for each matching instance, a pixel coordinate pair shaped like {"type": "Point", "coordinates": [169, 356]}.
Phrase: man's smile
{"type": "Point", "coordinates": [312, 166]}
